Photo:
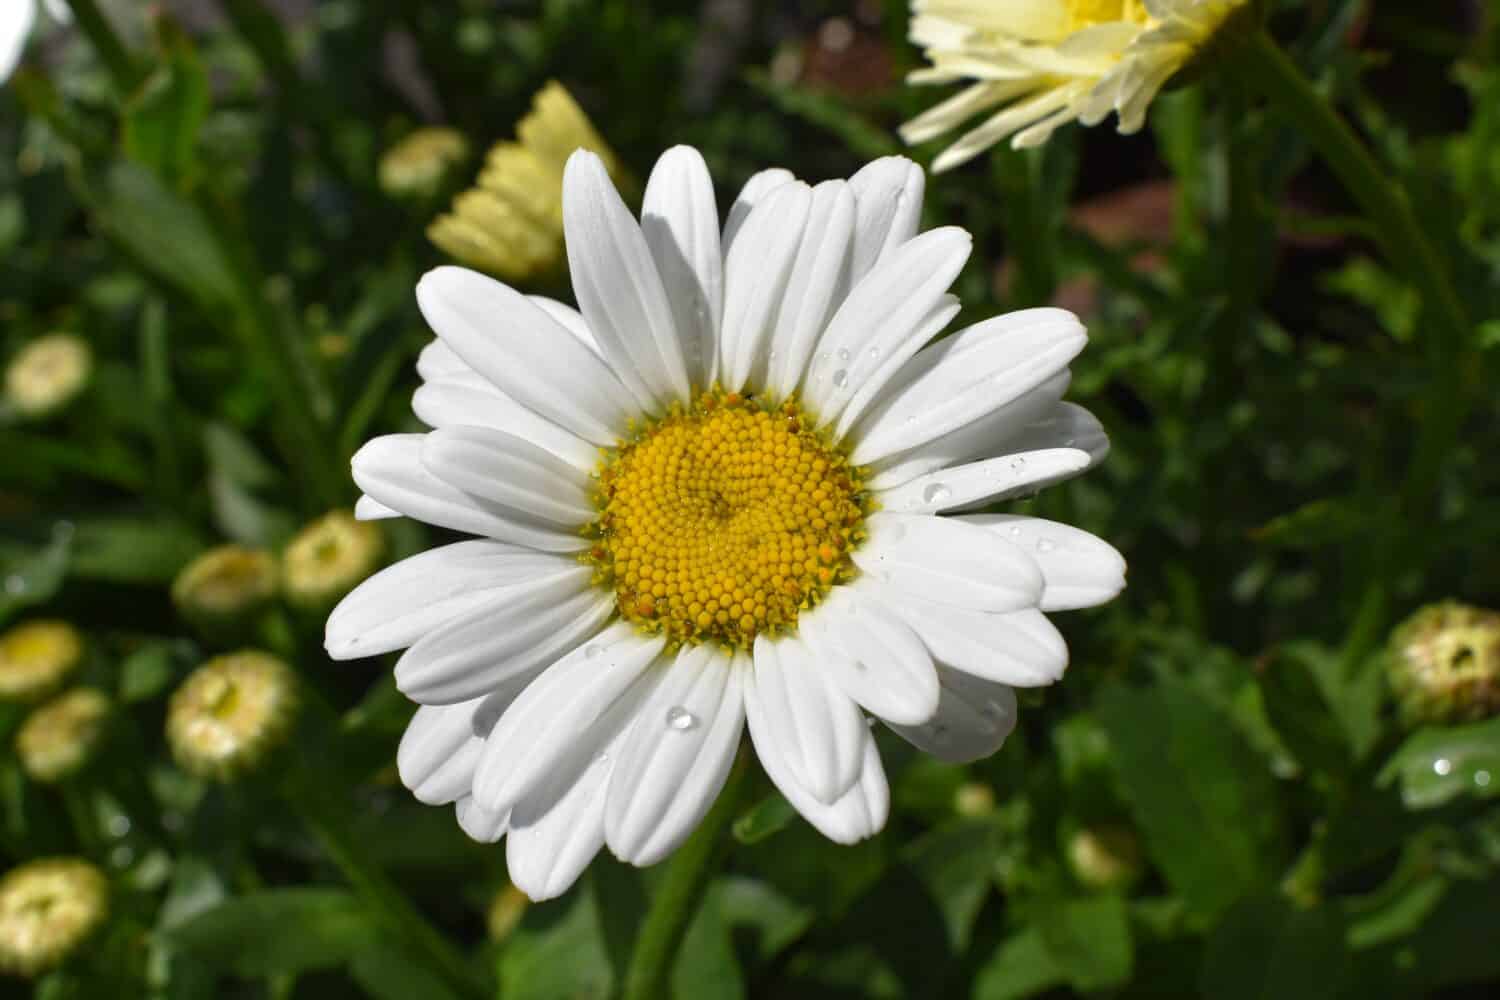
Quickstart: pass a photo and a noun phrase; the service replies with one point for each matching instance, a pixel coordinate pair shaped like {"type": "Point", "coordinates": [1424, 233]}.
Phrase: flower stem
{"type": "Point", "coordinates": [681, 890]}
{"type": "Point", "coordinates": [106, 42]}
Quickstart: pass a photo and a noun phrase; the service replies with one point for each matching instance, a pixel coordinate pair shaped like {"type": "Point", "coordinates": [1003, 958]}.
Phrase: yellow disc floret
{"type": "Point", "coordinates": [725, 519]}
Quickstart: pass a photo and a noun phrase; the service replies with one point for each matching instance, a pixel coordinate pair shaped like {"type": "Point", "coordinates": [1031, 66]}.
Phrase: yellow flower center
{"type": "Point", "coordinates": [725, 519]}
{"type": "Point", "coordinates": [1087, 13]}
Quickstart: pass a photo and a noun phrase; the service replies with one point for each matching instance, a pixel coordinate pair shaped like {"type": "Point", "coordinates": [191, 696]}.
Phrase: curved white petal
{"type": "Point", "coordinates": [946, 560]}
{"type": "Point", "coordinates": [569, 319]}
{"type": "Point", "coordinates": [478, 822]}
{"type": "Point", "coordinates": [618, 288]}
{"type": "Point", "coordinates": [889, 192]}
{"type": "Point", "coordinates": [680, 220]}
{"type": "Point", "coordinates": [973, 719]}
{"type": "Point", "coordinates": [406, 600]}
{"type": "Point", "coordinates": [567, 716]}
{"type": "Point", "coordinates": [16, 19]}
{"type": "Point", "coordinates": [1065, 425]}
{"type": "Point", "coordinates": [450, 403]}
{"type": "Point", "coordinates": [472, 654]}
{"type": "Point", "coordinates": [890, 313]}
{"type": "Point", "coordinates": [757, 187]}
{"type": "Point", "coordinates": [792, 699]}
{"type": "Point", "coordinates": [967, 376]}
{"type": "Point", "coordinates": [858, 814]}
{"type": "Point", "coordinates": [438, 752]}
{"type": "Point", "coordinates": [989, 481]}
{"type": "Point", "coordinates": [390, 469]}
{"type": "Point", "coordinates": [756, 273]}
{"type": "Point", "coordinates": [369, 509]}
{"type": "Point", "coordinates": [510, 471]}
{"type": "Point", "coordinates": [514, 344]}
{"type": "Point", "coordinates": [1079, 570]}
{"type": "Point", "coordinates": [872, 655]}
{"type": "Point", "coordinates": [676, 758]}
{"type": "Point", "coordinates": [818, 284]}
{"type": "Point", "coordinates": [437, 360]}
{"type": "Point", "coordinates": [1018, 648]}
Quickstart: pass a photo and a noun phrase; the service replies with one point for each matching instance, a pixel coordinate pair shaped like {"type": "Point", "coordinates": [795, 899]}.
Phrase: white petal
{"type": "Point", "coordinates": [818, 284]}
{"type": "Point", "coordinates": [438, 752]}
{"type": "Point", "coordinates": [478, 822]}
{"type": "Point", "coordinates": [965, 377]}
{"type": "Point", "coordinates": [872, 655]}
{"type": "Point", "coordinates": [569, 319]}
{"type": "Point", "coordinates": [1078, 569]}
{"type": "Point", "coordinates": [680, 220]}
{"type": "Point", "coordinates": [514, 344]}
{"type": "Point", "coordinates": [16, 18]}
{"type": "Point", "coordinates": [618, 288]}
{"type": "Point", "coordinates": [1019, 648]}
{"type": "Point", "coordinates": [390, 469]}
{"type": "Point", "coordinates": [449, 403]}
{"type": "Point", "coordinates": [990, 481]}
{"type": "Point", "coordinates": [1065, 425]}
{"type": "Point", "coordinates": [889, 191]}
{"type": "Point", "coordinates": [795, 703]}
{"type": "Point", "coordinates": [370, 509]}
{"type": "Point", "coordinates": [973, 719]}
{"type": "Point", "coordinates": [567, 715]}
{"type": "Point", "coordinates": [756, 188]}
{"type": "Point", "coordinates": [473, 653]}
{"type": "Point", "coordinates": [437, 360]}
{"type": "Point", "coordinates": [860, 813]}
{"type": "Point", "coordinates": [511, 472]}
{"type": "Point", "coordinates": [552, 841]}
{"type": "Point", "coordinates": [675, 760]}
{"type": "Point", "coordinates": [896, 308]}
{"type": "Point", "coordinates": [405, 601]}
{"type": "Point", "coordinates": [946, 560]}
{"type": "Point", "coordinates": [756, 273]}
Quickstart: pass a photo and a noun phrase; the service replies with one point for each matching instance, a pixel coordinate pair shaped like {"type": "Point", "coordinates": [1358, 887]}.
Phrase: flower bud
{"type": "Point", "coordinates": [48, 908]}
{"type": "Point", "coordinates": [505, 913]}
{"type": "Point", "coordinates": [224, 591]}
{"type": "Point", "coordinates": [1444, 664]}
{"type": "Point", "coordinates": [36, 657]}
{"type": "Point", "coordinates": [230, 713]}
{"type": "Point", "coordinates": [974, 798]}
{"type": "Point", "coordinates": [1105, 857]}
{"type": "Point", "coordinates": [60, 737]}
{"type": "Point", "coordinates": [328, 558]}
{"type": "Point", "coordinates": [47, 374]}
{"type": "Point", "coordinates": [416, 166]}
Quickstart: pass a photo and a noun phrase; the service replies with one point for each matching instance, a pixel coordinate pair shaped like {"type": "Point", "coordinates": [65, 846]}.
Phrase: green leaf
{"type": "Point", "coordinates": [567, 958]}
{"type": "Point", "coordinates": [1088, 940]}
{"type": "Point", "coordinates": [278, 931]}
{"type": "Point", "coordinates": [146, 672]}
{"type": "Point", "coordinates": [766, 818]}
{"type": "Point", "coordinates": [1440, 763]}
{"type": "Point", "coordinates": [1294, 704]}
{"type": "Point", "coordinates": [32, 576]}
{"type": "Point", "coordinates": [774, 920]}
{"type": "Point", "coordinates": [1267, 949]}
{"type": "Point", "coordinates": [1201, 796]}
{"type": "Point", "coordinates": [1319, 523]}
{"type": "Point", "coordinates": [388, 971]}
{"type": "Point", "coordinates": [133, 549]}
{"type": "Point", "coordinates": [163, 117]}
{"type": "Point", "coordinates": [1021, 967]}
{"type": "Point", "coordinates": [955, 864]}
{"type": "Point", "coordinates": [706, 965]}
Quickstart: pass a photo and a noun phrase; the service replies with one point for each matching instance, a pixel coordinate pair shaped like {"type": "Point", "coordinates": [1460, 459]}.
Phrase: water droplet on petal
{"type": "Point", "coordinates": [602, 757]}
{"type": "Point", "coordinates": [592, 650]}
{"type": "Point", "coordinates": [1045, 545]}
{"type": "Point", "coordinates": [1014, 531]}
{"type": "Point", "coordinates": [841, 378]}
{"type": "Point", "coordinates": [680, 719]}
{"type": "Point", "coordinates": [1017, 464]}
{"type": "Point", "coordinates": [843, 354]}
{"type": "Point", "coordinates": [874, 352]}
{"type": "Point", "coordinates": [936, 493]}
{"type": "Point", "coordinates": [1442, 766]}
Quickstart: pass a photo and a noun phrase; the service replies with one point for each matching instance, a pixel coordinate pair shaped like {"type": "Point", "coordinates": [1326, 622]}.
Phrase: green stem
{"type": "Point", "coordinates": [103, 37]}
{"type": "Point", "coordinates": [388, 902]}
{"type": "Point", "coordinates": [682, 888]}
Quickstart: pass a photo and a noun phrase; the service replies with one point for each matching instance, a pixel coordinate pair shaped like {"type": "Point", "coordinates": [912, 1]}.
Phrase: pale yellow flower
{"type": "Point", "coordinates": [416, 166]}
{"type": "Point", "coordinates": [510, 223]}
{"type": "Point", "coordinates": [47, 374]}
{"type": "Point", "coordinates": [224, 591]}
{"type": "Point", "coordinates": [58, 738]}
{"type": "Point", "coordinates": [328, 558]}
{"type": "Point", "coordinates": [35, 657]}
{"type": "Point", "coordinates": [48, 908]}
{"type": "Point", "coordinates": [230, 713]}
{"type": "Point", "coordinates": [1039, 64]}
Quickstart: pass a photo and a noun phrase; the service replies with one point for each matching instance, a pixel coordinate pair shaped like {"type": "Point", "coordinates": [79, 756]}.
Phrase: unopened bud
{"type": "Point", "coordinates": [329, 558]}
{"type": "Point", "coordinates": [61, 736]}
{"type": "Point", "coordinates": [224, 592]}
{"type": "Point", "coordinates": [48, 908]}
{"type": "Point", "coordinates": [230, 713]}
{"type": "Point", "coordinates": [1444, 664]}
{"type": "Point", "coordinates": [47, 374]}
{"type": "Point", "coordinates": [1105, 857]}
{"type": "Point", "coordinates": [35, 659]}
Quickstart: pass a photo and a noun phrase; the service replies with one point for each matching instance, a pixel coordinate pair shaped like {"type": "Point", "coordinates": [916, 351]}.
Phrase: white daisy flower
{"type": "Point", "coordinates": [712, 498]}
{"type": "Point", "coordinates": [16, 20]}
{"type": "Point", "coordinates": [1039, 64]}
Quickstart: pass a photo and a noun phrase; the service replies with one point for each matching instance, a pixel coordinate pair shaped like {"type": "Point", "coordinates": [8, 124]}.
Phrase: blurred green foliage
{"type": "Point", "coordinates": [206, 215]}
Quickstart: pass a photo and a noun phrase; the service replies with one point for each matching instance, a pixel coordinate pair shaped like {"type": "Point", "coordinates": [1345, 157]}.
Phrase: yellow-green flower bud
{"type": "Point", "coordinates": [416, 166]}
{"type": "Point", "coordinates": [35, 658]}
{"type": "Point", "coordinates": [1106, 857]}
{"type": "Point", "coordinates": [974, 798]}
{"type": "Point", "coordinates": [47, 374]}
{"type": "Point", "coordinates": [230, 713]}
{"type": "Point", "coordinates": [505, 913]}
{"type": "Point", "coordinates": [1444, 664]}
{"type": "Point", "coordinates": [58, 738]}
{"type": "Point", "coordinates": [224, 592]}
{"type": "Point", "coordinates": [48, 908]}
{"type": "Point", "coordinates": [329, 558]}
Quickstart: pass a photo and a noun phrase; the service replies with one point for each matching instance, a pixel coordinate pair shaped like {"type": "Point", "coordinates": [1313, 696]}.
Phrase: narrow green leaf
{"type": "Point", "coordinates": [32, 576]}
{"type": "Point", "coordinates": [1088, 940]}
{"type": "Point", "coordinates": [766, 818]}
{"type": "Point", "coordinates": [1440, 763]}
{"type": "Point", "coordinates": [133, 549]}
{"type": "Point", "coordinates": [163, 117]}
{"type": "Point", "coordinates": [279, 931]}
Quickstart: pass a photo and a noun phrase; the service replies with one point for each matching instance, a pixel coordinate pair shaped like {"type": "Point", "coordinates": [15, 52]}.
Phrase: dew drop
{"type": "Point", "coordinates": [936, 493]}
{"type": "Point", "coordinates": [1045, 545]}
{"type": "Point", "coordinates": [602, 757]}
{"type": "Point", "coordinates": [843, 354]}
{"type": "Point", "coordinates": [1015, 531]}
{"type": "Point", "coordinates": [680, 719]}
{"type": "Point", "coordinates": [874, 353]}
{"type": "Point", "coordinates": [1017, 464]}
{"type": "Point", "coordinates": [1482, 778]}
{"type": "Point", "coordinates": [841, 378]}
{"type": "Point", "coordinates": [1442, 766]}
